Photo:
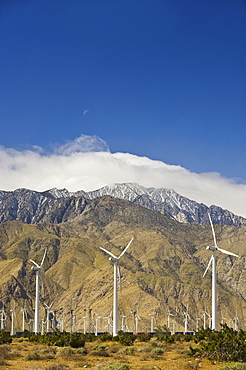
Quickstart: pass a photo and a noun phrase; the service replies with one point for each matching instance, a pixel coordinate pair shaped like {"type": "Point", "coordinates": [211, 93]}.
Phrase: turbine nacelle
{"type": "Point", "coordinates": [212, 248]}
{"type": "Point", "coordinates": [36, 267]}
{"type": "Point", "coordinates": [113, 259]}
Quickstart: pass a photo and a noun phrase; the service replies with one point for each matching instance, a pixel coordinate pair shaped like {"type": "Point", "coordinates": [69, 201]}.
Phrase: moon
{"type": "Point", "coordinates": [85, 111]}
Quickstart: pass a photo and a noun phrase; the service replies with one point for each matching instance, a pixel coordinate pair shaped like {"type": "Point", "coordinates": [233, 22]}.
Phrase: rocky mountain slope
{"type": "Point", "coordinates": [58, 206]}
{"type": "Point", "coordinates": [162, 270]}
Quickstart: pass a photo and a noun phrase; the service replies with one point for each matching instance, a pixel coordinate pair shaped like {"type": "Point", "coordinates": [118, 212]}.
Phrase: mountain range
{"type": "Point", "coordinates": [162, 269]}
{"type": "Point", "coordinates": [60, 205]}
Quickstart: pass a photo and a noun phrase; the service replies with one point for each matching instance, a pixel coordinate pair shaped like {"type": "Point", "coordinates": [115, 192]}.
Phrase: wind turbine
{"type": "Point", "coordinates": [186, 319]}
{"type": "Point", "coordinates": [152, 315]}
{"type": "Point", "coordinates": [12, 310]}
{"type": "Point", "coordinates": [108, 325]}
{"type": "Point", "coordinates": [116, 262]}
{"type": "Point", "coordinates": [223, 319]}
{"type": "Point", "coordinates": [214, 276]}
{"type": "Point", "coordinates": [169, 314]}
{"type": "Point", "coordinates": [84, 324]}
{"type": "Point", "coordinates": [97, 318]}
{"type": "Point", "coordinates": [197, 323]}
{"type": "Point", "coordinates": [3, 318]}
{"type": "Point", "coordinates": [38, 269]}
{"type": "Point", "coordinates": [204, 312]}
{"type": "Point", "coordinates": [24, 316]}
{"type": "Point", "coordinates": [236, 321]}
{"type": "Point", "coordinates": [123, 322]}
{"type": "Point", "coordinates": [48, 316]}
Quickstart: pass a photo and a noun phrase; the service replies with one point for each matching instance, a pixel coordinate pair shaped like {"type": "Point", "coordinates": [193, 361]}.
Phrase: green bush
{"type": "Point", "coordinates": [99, 347]}
{"type": "Point", "coordinates": [105, 337]}
{"type": "Point", "coordinates": [157, 351]}
{"type": "Point", "coordinates": [144, 337]}
{"type": "Point", "coordinates": [81, 351]}
{"type": "Point", "coordinates": [227, 345]}
{"type": "Point", "coordinates": [125, 339]}
{"type": "Point", "coordinates": [128, 350]}
{"type": "Point", "coordinates": [5, 338]}
{"type": "Point", "coordinates": [65, 352]}
{"type": "Point", "coordinates": [73, 340]}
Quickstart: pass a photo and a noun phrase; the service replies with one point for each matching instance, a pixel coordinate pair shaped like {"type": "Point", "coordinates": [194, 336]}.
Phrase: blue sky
{"type": "Point", "coordinates": [163, 79]}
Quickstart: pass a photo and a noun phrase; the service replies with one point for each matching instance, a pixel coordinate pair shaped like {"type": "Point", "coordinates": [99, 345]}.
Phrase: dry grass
{"type": "Point", "coordinates": [22, 355]}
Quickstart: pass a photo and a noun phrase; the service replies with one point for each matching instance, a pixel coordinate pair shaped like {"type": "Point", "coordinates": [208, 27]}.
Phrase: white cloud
{"type": "Point", "coordinates": [76, 166]}
{"type": "Point", "coordinates": [83, 143]}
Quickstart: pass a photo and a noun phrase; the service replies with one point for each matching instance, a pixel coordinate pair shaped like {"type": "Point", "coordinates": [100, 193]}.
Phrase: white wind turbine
{"type": "Point", "coordinates": [186, 320]}
{"type": "Point", "coordinates": [214, 275]}
{"type": "Point", "coordinates": [12, 310]}
{"type": "Point", "coordinates": [152, 319]}
{"type": "Point", "coordinates": [24, 316]}
{"type": "Point", "coordinates": [169, 314]}
{"type": "Point", "coordinates": [48, 316]}
{"type": "Point", "coordinates": [223, 319]}
{"type": "Point", "coordinates": [3, 318]}
{"type": "Point", "coordinates": [38, 269]}
{"type": "Point", "coordinates": [97, 318]}
{"type": "Point", "coordinates": [116, 262]}
{"type": "Point", "coordinates": [204, 314]}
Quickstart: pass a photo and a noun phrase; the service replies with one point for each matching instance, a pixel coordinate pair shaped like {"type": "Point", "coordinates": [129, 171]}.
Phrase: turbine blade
{"type": "Point", "coordinates": [208, 266]}
{"type": "Point", "coordinates": [226, 252]}
{"type": "Point", "coordinates": [111, 254]}
{"type": "Point", "coordinates": [212, 226]}
{"type": "Point", "coordinates": [35, 263]}
{"type": "Point", "coordinates": [128, 245]}
{"type": "Point", "coordinates": [44, 257]}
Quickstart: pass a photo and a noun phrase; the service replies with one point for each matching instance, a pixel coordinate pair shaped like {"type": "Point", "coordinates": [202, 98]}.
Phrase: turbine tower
{"type": "Point", "coordinates": [116, 262]}
{"type": "Point", "coordinates": [214, 276]}
{"type": "Point", "coordinates": [38, 269]}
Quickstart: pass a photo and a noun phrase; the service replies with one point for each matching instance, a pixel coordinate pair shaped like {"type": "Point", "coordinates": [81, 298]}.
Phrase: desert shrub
{"type": "Point", "coordinates": [144, 337]}
{"type": "Point", "coordinates": [33, 356]}
{"type": "Point", "coordinates": [45, 352]}
{"type": "Point", "coordinates": [65, 352]}
{"type": "Point", "coordinates": [125, 339]}
{"type": "Point", "coordinates": [4, 352]}
{"type": "Point", "coordinates": [119, 366]}
{"type": "Point", "coordinates": [145, 349]}
{"type": "Point", "coordinates": [81, 351]}
{"type": "Point", "coordinates": [128, 350]}
{"type": "Point", "coordinates": [74, 340]}
{"type": "Point", "coordinates": [234, 366]}
{"type": "Point", "coordinates": [157, 351]}
{"type": "Point", "coordinates": [105, 337]}
{"type": "Point", "coordinates": [227, 345]}
{"type": "Point", "coordinates": [90, 337]}
{"type": "Point", "coordinates": [5, 338]}
{"type": "Point", "coordinates": [115, 348]}
{"type": "Point", "coordinates": [100, 347]}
